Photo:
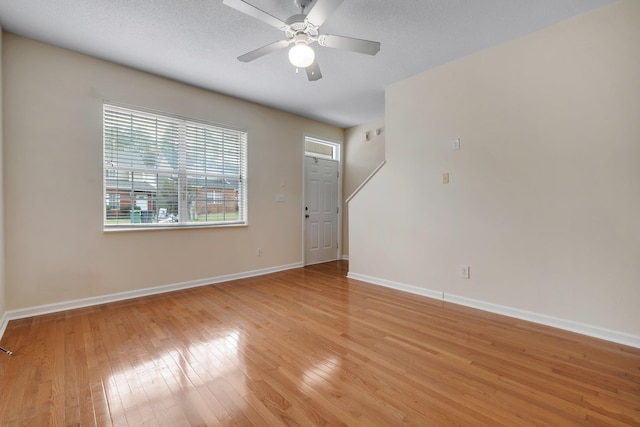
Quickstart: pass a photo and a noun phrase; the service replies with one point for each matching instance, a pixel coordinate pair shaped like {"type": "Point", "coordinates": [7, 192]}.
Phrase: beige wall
{"type": "Point", "coordinates": [3, 304]}
{"type": "Point", "coordinates": [53, 192]}
{"type": "Point", "coordinates": [361, 158]}
{"type": "Point", "coordinates": [544, 199]}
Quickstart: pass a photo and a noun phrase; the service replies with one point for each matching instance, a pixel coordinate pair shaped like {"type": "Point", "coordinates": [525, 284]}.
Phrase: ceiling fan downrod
{"type": "Point", "coordinates": [302, 4]}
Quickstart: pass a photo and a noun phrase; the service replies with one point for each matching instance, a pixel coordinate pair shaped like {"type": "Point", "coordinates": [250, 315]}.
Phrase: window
{"type": "Point", "coordinates": [315, 147]}
{"type": "Point", "coordinates": [215, 197]}
{"type": "Point", "coordinates": [166, 171]}
{"type": "Point", "coordinates": [113, 201]}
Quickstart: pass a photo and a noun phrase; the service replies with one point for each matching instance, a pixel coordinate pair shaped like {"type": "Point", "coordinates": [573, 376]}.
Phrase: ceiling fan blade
{"type": "Point", "coordinates": [322, 10]}
{"type": "Point", "coordinates": [261, 51]}
{"type": "Point", "coordinates": [313, 72]}
{"type": "Point", "coordinates": [347, 43]}
{"type": "Point", "coordinates": [253, 11]}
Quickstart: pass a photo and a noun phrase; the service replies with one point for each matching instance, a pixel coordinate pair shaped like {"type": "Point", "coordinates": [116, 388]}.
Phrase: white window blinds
{"type": "Point", "coordinates": [170, 171]}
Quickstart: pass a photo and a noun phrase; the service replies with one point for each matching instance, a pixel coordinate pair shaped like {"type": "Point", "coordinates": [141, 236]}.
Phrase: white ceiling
{"type": "Point", "coordinates": [197, 42]}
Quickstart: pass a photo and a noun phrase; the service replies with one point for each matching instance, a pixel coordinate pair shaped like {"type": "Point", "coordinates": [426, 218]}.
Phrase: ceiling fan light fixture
{"type": "Point", "coordinates": [301, 55]}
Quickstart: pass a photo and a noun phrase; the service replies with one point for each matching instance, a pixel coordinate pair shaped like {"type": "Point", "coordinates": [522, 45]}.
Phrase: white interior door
{"type": "Point", "coordinates": [321, 210]}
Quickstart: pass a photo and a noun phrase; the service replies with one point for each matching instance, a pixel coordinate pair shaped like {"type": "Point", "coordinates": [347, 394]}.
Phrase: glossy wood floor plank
{"type": "Point", "coordinates": [307, 347]}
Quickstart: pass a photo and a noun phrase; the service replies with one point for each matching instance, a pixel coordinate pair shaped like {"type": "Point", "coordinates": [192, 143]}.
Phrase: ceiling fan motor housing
{"type": "Point", "coordinates": [297, 25]}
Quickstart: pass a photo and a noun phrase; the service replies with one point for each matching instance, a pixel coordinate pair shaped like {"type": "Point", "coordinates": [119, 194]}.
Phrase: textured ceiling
{"type": "Point", "coordinates": [197, 42]}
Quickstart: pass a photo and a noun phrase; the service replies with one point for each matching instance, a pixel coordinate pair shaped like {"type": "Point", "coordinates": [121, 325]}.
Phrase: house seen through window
{"type": "Point", "coordinates": [162, 170]}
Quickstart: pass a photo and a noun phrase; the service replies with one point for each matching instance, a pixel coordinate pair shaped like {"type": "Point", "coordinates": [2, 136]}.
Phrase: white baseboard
{"type": "Point", "coordinates": [543, 319]}
{"type": "Point", "coordinates": [396, 285]}
{"type": "Point", "coordinates": [4, 321]}
{"type": "Point", "coordinates": [569, 325]}
{"type": "Point", "coordinates": [345, 257]}
{"type": "Point", "coordinates": [121, 296]}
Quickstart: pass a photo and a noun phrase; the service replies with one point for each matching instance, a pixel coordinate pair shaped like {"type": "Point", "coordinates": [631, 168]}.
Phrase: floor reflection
{"type": "Point", "coordinates": [321, 372]}
{"type": "Point", "coordinates": [171, 377]}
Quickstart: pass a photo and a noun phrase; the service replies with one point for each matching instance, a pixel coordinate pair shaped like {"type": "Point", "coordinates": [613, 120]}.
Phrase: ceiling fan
{"type": "Point", "coordinates": [301, 31]}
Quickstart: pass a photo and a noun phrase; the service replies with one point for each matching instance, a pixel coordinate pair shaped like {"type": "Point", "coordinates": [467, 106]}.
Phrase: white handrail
{"type": "Point", "coordinates": [367, 179]}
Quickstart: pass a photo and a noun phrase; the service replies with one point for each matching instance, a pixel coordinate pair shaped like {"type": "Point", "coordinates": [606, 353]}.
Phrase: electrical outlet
{"type": "Point", "coordinates": [455, 144]}
{"type": "Point", "coordinates": [259, 253]}
{"type": "Point", "coordinates": [445, 178]}
{"type": "Point", "coordinates": [463, 271]}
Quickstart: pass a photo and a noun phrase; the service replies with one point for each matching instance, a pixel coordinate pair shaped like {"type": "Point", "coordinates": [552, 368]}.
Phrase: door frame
{"type": "Point", "coordinates": [339, 145]}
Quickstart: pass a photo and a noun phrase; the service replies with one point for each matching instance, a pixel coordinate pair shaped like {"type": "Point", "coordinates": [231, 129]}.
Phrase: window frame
{"type": "Point", "coordinates": [184, 193]}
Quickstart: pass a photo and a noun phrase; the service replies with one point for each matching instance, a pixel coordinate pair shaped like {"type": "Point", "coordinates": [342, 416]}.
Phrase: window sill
{"type": "Point", "coordinates": [121, 228]}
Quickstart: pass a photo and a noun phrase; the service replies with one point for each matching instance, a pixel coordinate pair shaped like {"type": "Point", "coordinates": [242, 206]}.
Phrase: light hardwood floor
{"type": "Point", "coordinates": [307, 347]}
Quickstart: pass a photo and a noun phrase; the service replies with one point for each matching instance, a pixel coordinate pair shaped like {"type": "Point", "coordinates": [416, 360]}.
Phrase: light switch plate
{"type": "Point", "coordinates": [463, 271]}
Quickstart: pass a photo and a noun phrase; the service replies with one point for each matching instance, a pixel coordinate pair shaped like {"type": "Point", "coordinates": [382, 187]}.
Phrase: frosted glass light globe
{"type": "Point", "coordinates": [301, 55]}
